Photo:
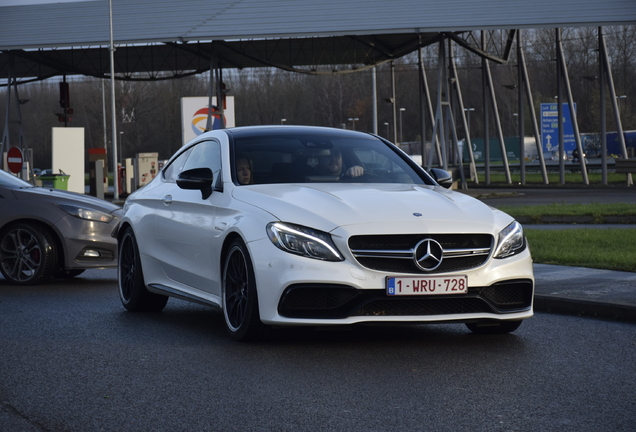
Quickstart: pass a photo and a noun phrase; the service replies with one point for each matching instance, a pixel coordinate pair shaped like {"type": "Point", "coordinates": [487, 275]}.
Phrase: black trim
{"type": "Point", "coordinates": [332, 301]}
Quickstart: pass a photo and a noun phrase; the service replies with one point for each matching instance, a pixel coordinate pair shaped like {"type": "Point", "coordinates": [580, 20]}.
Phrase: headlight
{"type": "Point", "coordinates": [85, 213]}
{"type": "Point", "coordinates": [303, 241]}
{"type": "Point", "coordinates": [510, 241]}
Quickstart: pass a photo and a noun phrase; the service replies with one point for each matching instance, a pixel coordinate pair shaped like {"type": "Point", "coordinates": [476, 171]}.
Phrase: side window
{"type": "Point", "coordinates": [171, 172]}
{"type": "Point", "coordinates": [206, 154]}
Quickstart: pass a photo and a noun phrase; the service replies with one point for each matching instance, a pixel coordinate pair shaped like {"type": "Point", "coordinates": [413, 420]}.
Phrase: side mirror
{"type": "Point", "coordinates": [197, 179]}
{"type": "Point", "coordinates": [442, 177]}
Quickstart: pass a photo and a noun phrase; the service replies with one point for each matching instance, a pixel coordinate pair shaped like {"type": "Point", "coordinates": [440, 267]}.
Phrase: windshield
{"type": "Point", "coordinates": [314, 157]}
{"type": "Point", "coordinates": [10, 181]}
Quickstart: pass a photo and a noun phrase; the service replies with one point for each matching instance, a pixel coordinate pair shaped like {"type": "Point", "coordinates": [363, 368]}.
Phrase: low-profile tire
{"type": "Point", "coordinates": [68, 274]}
{"type": "Point", "coordinates": [27, 254]}
{"type": "Point", "coordinates": [240, 297]}
{"type": "Point", "coordinates": [132, 289]}
{"type": "Point", "coordinates": [494, 327]}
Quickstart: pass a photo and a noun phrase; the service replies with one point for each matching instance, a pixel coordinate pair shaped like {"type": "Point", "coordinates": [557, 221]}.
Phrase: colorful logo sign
{"type": "Point", "coordinates": [194, 115]}
{"type": "Point", "coordinates": [200, 120]}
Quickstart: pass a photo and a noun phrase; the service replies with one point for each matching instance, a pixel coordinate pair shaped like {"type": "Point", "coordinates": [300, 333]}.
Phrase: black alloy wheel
{"type": "Point", "coordinates": [132, 289]}
{"type": "Point", "coordinates": [240, 299]}
{"type": "Point", "coordinates": [27, 254]}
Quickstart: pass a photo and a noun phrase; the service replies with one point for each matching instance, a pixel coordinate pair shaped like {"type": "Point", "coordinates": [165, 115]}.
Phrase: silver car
{"type": "Point", "coordinates": [49, 232]}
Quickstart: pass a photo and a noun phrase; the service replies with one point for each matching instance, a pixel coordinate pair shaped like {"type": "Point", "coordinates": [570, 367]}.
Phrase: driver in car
{"type": "Point", "coordinates": [332, 165]}
{"type": "Point", "coordinates": [244, 170]}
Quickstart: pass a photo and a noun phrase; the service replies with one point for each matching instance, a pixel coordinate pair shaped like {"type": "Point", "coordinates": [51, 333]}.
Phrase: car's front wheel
{"type": "Point", "coordinates": [27, 254]}
{"type": "Point", "coordinates": [132, 289]}
{"type": "Point", "coordinates": [494, 327]}
{"type": "Point", "coordinates": [240, 299]}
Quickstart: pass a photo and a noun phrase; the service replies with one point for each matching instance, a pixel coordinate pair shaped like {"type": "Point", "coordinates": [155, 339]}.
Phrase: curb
{"type": "Point", "coordinates": [579, 307]}
{"type": "Point", "coordinates": [576, 220]}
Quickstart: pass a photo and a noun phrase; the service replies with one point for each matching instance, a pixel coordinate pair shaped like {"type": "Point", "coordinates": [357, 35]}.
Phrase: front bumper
{"type": "Point", "coordinates": [88, 244]}
{"type": "Point", "coordinates": [294, 290]}
{"type": "Point", "coordinates": [339, 301]}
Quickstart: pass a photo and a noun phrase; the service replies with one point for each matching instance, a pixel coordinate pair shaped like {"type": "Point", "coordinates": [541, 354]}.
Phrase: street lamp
{"type": "Point", "coordinates": [618, 99]}
{"type": "Point", "coordinates": [387, 130]}
{"type": "Point", "coordinates": [401, 136]}
{"type": "Point", "coordinates": [468, 111]}
{"type": "Point", "coordinates": [121, 140]}
{"type": "Point", "coordinates": [391, 100]}
{"type": "Point", "coordinates": [353, 122]}
{"type": "Point", "coordinates": [282, 121]}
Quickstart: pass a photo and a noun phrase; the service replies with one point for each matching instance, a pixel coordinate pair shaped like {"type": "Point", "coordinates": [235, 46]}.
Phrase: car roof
{"type": "Point", "coordinates": [276, 130]}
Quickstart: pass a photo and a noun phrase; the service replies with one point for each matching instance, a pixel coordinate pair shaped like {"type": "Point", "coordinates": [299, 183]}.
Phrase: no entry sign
{"type": "Point", "coordinates": [14, 160]}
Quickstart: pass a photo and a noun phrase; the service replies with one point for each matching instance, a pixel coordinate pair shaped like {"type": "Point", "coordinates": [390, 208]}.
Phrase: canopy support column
{"type": "Point", "coordinates": [563, 69]}
{"type": "Point", "coordinates": [495, 109]}
{"type": "Point", "coordinates": [610, 83]}
{"type": "Point", "coordinates": [112, 105]}
{"type": "Point", "coordinates": [523, 70]}
{"type": "Point", "coordinates": [462, 111]}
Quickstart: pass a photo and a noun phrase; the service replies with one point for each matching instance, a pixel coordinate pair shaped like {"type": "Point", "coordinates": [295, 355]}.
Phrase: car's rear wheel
{"type": "Point", "coordinates": [27, 254]}
{"type": "Point", "coordinates": [132, 289]}
{"type": "Point", "coordinates": [493, 327]}
{"type": "Point", "coordinates": [240, 298]}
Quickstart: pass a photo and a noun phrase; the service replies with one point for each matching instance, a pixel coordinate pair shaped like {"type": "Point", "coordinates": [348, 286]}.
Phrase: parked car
{"type": "Point", "coordinates": [289, 225]}
{"type": "Point", "coordinates": [50, 232]}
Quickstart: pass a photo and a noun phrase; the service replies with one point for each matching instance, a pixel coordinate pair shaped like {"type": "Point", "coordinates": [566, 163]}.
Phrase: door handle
{"type": "Point", "coordinates": [167, 200]}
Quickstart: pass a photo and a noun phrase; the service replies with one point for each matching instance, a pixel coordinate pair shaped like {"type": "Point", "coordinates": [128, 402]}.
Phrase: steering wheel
{"type": "Point", "coordinates": [366, 177]}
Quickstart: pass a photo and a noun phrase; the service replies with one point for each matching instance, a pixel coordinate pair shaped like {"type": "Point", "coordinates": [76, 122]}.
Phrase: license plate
{"type": "Point", "coordinates": [426, 285]}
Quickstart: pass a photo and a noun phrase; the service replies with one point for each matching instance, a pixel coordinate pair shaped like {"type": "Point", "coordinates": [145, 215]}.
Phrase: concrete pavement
{"type": "Point", "coordinates": [587, 292]}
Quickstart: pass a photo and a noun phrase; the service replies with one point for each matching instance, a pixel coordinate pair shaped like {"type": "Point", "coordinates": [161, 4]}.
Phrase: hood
{"type": "Point", "coordinates": [62, 196]}
{"type": "Point", "coordinates": [407, 208]}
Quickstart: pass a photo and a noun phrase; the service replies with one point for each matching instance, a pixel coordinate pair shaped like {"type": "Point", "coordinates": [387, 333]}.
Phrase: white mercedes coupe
{"type": "Point", "coordinates": [311, 226]}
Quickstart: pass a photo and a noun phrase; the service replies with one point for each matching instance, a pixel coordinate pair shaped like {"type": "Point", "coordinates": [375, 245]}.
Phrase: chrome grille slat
{"type": "Point", "coordinates": [461, 251]}
{"type": "Point", "coordinates": [408, 254]}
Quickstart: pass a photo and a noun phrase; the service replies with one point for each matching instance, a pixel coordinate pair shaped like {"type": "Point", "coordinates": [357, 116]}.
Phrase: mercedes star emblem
{"type": "Point", "coordinates": [428, 254]}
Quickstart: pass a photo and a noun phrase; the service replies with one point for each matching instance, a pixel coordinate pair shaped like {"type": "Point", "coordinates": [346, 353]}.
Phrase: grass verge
{"type": "Point", "coordinates": [598, 211]}
{"type": "Point", "coordinates": [611, 249]}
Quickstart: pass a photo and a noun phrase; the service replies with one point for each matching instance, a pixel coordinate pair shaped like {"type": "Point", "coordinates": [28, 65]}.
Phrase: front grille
{"type": "Point", "coordinates": [340, 301]}
{"type": "Point", "coordinates": [394, 253]}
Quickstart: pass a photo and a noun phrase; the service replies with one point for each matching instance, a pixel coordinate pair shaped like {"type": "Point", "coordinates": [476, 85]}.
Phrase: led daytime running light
{"type": "Point", "coordinates": [296, 240]}
{"type": "Point", "coordinates": [511, 241]}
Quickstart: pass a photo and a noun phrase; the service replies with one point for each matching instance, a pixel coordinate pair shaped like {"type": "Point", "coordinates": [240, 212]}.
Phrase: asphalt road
{"type": "Point", "coordinates": [510, 196]}
{"type": "Point", "coordinates": [71, 359]}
